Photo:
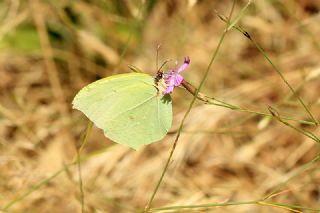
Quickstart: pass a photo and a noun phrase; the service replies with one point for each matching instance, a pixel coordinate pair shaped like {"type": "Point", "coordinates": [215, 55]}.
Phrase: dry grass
{"type": "Point", "coordinates": [222, 155]}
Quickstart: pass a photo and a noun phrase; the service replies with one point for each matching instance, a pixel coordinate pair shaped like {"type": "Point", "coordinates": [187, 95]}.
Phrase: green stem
{"type": "Point", "coordinates": [293, 174]}
{"type": "Point", "coordinates": [245, 33]}
{"type": "Point", "coordinates": [202, 206]}
{"type": "Point", "coordinates": [32, 189]}
{"type": "Point", "coordinates": [285, 81]}
{"type": "Point", "coordinates": [291, 208]}
{"type": "Point", "coordinates": [187, 112]}
{"type": "Point", "coordinates": [276, 115]}
{"type": "Point", "coordinates": [85, 139]}
{"type": "Point", "coordinates": [47, 180]}
{"type": "Point", "coordinates": [213, 101]}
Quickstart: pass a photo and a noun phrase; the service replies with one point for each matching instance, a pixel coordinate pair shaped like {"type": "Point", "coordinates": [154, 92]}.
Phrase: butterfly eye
{"type": "Point", "coordinates": [158, 77]}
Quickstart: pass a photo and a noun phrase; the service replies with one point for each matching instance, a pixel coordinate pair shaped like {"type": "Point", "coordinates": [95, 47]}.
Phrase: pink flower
{"type": "Point", "coordinates": [173, 78]}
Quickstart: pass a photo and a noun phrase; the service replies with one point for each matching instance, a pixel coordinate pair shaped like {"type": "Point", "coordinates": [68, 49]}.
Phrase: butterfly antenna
{"type": "Point", "coordinates": [157, 57]}
{"type": "Point", "coordinates": [164, 63]}
{"type": "Point", "coordinates": [135, 69]}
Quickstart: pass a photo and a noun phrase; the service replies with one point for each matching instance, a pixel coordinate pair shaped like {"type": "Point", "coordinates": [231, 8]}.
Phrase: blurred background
{"type": "Point", "coordinates": [50, 49]}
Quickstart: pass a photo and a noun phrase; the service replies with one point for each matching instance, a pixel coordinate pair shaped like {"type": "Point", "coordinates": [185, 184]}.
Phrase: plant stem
{"type": "Point", "coordinates": [188, 110]}
{"type": "Point", "coordinates": [209, 100]}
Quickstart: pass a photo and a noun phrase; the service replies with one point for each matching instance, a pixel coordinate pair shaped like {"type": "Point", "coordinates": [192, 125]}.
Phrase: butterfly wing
{"type": "Point", "coordinates": [127, 108]}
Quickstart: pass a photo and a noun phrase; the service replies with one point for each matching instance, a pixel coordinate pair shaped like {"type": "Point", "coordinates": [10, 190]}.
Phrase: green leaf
{"type": "Point", "coordinates": [128, 108]}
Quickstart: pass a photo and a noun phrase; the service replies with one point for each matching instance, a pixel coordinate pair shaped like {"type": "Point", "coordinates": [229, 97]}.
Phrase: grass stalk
{"type": "Point", "coordinates": [188, 111]}
{"type": "Point", "coordinates": [263, 52]}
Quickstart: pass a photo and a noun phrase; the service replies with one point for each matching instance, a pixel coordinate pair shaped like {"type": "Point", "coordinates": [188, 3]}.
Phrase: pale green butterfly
{"type": "Point", "coordinates": [133, 109]}
{"type": "Point", "coordinates": [128, 108]}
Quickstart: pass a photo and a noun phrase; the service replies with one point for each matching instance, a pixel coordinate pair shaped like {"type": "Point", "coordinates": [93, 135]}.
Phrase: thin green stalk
{"type": "Point", "coordinates": [85, 139]}
{"type": "Point", "coordinates": [294, 174]}
{"type": "Point", "coordinates": [213, 101]}
{"type": "Point", "coordinates": [289, 206]}
{"type": "Point", "coordinates": [51, 177]}
{"type": "Point", "coordinates": [292, 208]}
{"type": "Point", "coordinates": [240, 109]}
{"type": "Point", "coordinates": [287, 97]}
{"type": "Point", "coordinates": [86, 136]}
{"type": "Point", "coordinates": [82, 202]}
{"type": "Point", "coordinates": [80, 183]}
{"type": "Point", "coordinates": [188, 111]}
{"type": "Point", "coordinates": [31, 190]}
{"type": "Point", "coordinates": [239, 16]}
{"type": "Point", "coordinates": [276, 115]}
{"type": "Point", "coordinates": [285, 81]}
{"type": "Point", "coordinates": [209, 205]}
{"type": "Point", "coordinates": [245, 33]}
{"type": "Point", "coordinates": [273, 113]}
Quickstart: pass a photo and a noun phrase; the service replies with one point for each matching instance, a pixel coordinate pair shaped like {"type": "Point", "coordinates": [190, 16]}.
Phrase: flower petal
{"type": "Point", "coordinates": [184, 65]}
{"type": "Point", "coordinates": [177, 80]}
{"type": "Point", "coordinates": [173, 78]}
{"type": "Point", "coordinates": [168, 90]}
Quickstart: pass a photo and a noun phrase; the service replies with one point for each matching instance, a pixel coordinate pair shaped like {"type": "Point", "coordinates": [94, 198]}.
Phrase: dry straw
{"type": "Point", "coordinates": [249, 143]}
